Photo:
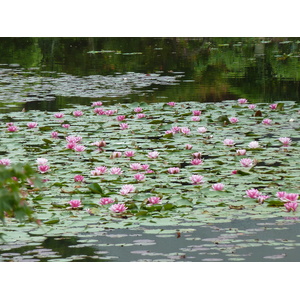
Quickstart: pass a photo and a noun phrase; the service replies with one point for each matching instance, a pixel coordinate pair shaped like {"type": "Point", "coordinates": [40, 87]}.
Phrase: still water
{"type": "Point", "coordinates": [51, 73]}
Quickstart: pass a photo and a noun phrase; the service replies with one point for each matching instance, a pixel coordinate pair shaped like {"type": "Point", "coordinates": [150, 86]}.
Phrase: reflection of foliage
{"type": "Point", "coordinates": [13, 190]}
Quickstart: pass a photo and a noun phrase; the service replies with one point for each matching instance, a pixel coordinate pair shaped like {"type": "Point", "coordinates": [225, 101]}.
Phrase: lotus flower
{"type": "Point", "coordinates": [195, 118]}
{"type": "Point", "coordinates": [154, 200]}
{"type": "Point", "coordinates": [267, 121]}
{"type": "Point", "coordinates": [43, 168]}
{"type": "Point", "coordinates": [129, 153]}
{"type": "Point", "coordinates": [246, 162]}
{"type": "Point", "coordinates": [233, 120]}
{"type": "Point", "coordinates": [218, 186]}
{"type": "Point", "coordinates": [73, 139]}
{"type": "Point", "coordinates": [99, 111]}
{"type": "Point", "coordinates": [59, 115]}
{"type": "Point", "coordinates": [174, 170]}
{"type": "Point", "coordinates": [138, 109]}
{"type": "Point", "coordinates": [42, 161]}
{"type": "Point", "coordinates": [5, 161]}
{"type": "Point", "coordinates": [12, 128]}
{"type": "Point", "coordinates": [99, 171]}
{"type": "Point", "coordinates": [66, 126]}
{"type": "Point", "coordinates": [228, 142]}
{"type": "Point", "coordinates": [126, 189]}
{"type": "Point", "coordinates": [115, 171]}
{"type": "Point", "coordinates": [253, 193]}
{"type": "Point", "coordinates": [241, 152]}
{"type": "Point", "coordinates": [252, 106]}
{"type": "Point", "coordinates": [118, 208]}
{"type": "Point", "coordinates": [78, 178]}
{"type": "Point", "coordinates": [196, 179]}
{"type": "Point", "coordinates": [273, 106]}
{"type": "Point", "coordinates": [145, 167]}
{"type": "Point", "coordinates": [79, 148]}
{"type": "Point", "coordinates": [104, 201]}
{"type": "Point", "coordinates": [202, 129]}
{"type": "Point", "coordinates": [123, 126]}
{"type": "Point", "coordinates": [291, 206]}
{"type": "Point", "coordinates": [32, 125]}
{"type": "Point", "coordinates": [120, 118]}
{"type": "Point", "coordinates": [253, 145]}
{"type": "Point", "coordinates": [75, 203]}
{"type": "Point", "coordinates": [140, 116]}
{"type": "Point", "coordinates": [97, 103]}
{"type": "Point", "coordinates": [54, 134]}
{"type": "Point", "coordinates": [77, 113]}
{"type": "Point", "coordinates": [285, 141]}
{"type": "Point", "coordinates": [196, 161]}
{"type": "Point", "coordinates": [281, 195]}
{"type": "Point", "coordinates": [291, 197]}
{"type": "Point", "coordinates": [136, 166]}
{"type": "Point", "coordinates": [262, 198]}
{"type": "Point", "coordinates": [71, 145]}
{"type": "Point", "coordinates": [242, 101]}
{"type": "Point", "coordinates": [196, 112]}
{"type": "Point", "coordinates": [139, 176]}
{"type": "Point", "coordinates": [153, 154]}
{"type": "Point", "coordinates": [185, 130]}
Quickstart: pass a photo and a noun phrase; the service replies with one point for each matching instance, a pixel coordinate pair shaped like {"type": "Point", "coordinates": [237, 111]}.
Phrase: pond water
{"type": "Point", "coordinates": [45, 75]}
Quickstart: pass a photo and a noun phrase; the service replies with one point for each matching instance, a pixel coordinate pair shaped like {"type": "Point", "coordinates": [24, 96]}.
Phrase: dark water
{"type": "Point", "coordinates": [210, 69]}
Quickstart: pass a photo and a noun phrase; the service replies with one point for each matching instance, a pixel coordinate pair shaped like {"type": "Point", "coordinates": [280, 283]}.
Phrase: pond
{"type": "Point", "coordinates": [149, 148]}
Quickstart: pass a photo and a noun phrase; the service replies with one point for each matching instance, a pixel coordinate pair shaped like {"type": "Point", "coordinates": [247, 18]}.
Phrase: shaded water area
{"type": "Point", "coordinates": [50, 74]}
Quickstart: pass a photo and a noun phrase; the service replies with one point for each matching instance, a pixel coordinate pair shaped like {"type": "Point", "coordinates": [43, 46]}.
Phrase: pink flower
{"type": "Point", "coordinates": [185, 130]}
{"type": "Point", "coordinates": [126, 189]}
{"type": "Point", "coordinates": [73, 139]}
{"type": "Point", "coordinates": [196, 112]}
{"type": "Point", "coordinates": [43, 168]}
{"type": "Point", "coordinates": [188, 147]}
{"type": "Point", "coordinates": [110, 112]}
{"type": "Point", "coordinates": [32, 124]}
{"type": "Point", "coordinates": [104, 201]}
{"type": "Point", "coordinates": [5, 162]}
{"type": "Point", "coordinates": [138, 109]}
{"type": "Point", "coordinates": [218, 186]}
{"type": "Point", "coordinates": [252, 106]}
{"type": "Point", "coordinates": [253, 193]}
{"type": "Point", "coordinates": [171, 103]}
{"type": "Point", "coordinates": [9, 124]}
{"type": "Point", "coordinates": [261, 198]}
{"type": "Point", "coordinates": [98, 103]}
{"type": "Point", "coordinates": [285, 141]}
{"type": "Point", "coordinates": [154, 200]}
{"type": "Point", "coordinates": [246, 162]}
{"type": "Point", "coordinates": [291, 206]}
{"type": "Point", "coordinates": [241, 152]}
{"type": "Point", "coordinates": [115, 171]}
{"type": "Point", "coordinates": [173, 170]}
{"type": "Point", "coordinates": [71, 145]}
{"type": "Point", "coordinates": [99, 144]}
{"type": "Point", "coordinates": [75, 203]}
{"type": "Point", "coordinates": [273, 106]}
{"type": "Point", "coordinates": [253, 145]}
{"type": "Point", "coordinates": [196, 179]}
{"type": "Point", "coordinates": [78, 178]}
{"type": "Point", "coordinates": [12, 128]}
{"type": "Point", "coordinates": [153, 154]}
{"type": "Point", "coordinates": [59, 115]}
{"type": "Point", "coordinates": [234, 172]}
{"type": "Point", "coordinates": [139, 176]}
{"type": "Point", "coordinates": [118, 208]}
{"type": "Point", "coordinates": [77, 113]}
{"type": "Point", "coordinates": [145, 167]}
{"type": "Point", "coordinates": [266, 121]}
{"type": "Point", "coordinates": [79, 148]}
{"type": "Point", "coordinates": [65, 125]}
{"type": "Point", "coordinates": [120, 118]}
{"type": "Point", "coordinates": [99, 171]}
{"type": "Point", "coordinates": [42, 161]}
{"type": "Point", "coordinates": [281, 195]}
{"type": "Point", "coordinates": [291, 197]}
{"type": "Point", "coordinates": [202, 129]}
{"type": "Point", "coordinates": [197, 155]}
{"type": "Point", "coordinates": [140, 116]}
{"type": "Point", "coordinates": [176, 129]}
{"type": "Point", "coordinates": [233, 120]}
{"type": "Point", "coordinates": [116, 154]}
{"type": "Point", "coordinates": [54, 134]}
{"type": "Point", "coordinates": [228, 142]}
{"type": "Point", "coordinates": [129, 153]}
{"type": "Point", "coordinates": [124, 126]}
{"type": "Point", "coordinates": [195, 118]}
{"type": "Point", "coordinates": [196, 161]}
{"type": "Point", "coordinates": [99, 111]}
{"type": "Point", "coordinates": [136, 166]}
{"type": "Point", "coordinates": [242, 101]}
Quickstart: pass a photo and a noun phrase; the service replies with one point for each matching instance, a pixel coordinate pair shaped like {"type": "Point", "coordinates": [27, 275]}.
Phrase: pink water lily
{"type": "Point", "coordinates": [5, 162]}
{"type": "Point", "coordinates": [266, 121]}
{"type": "Point", "coordinates": [76, 203]}
{"type": "Point", "coordinates": [197, 155]}
{"type": "Point", "coordinates": [120, 118]}
{"type": "Point", "coordinates": [233, 120]}
{"type": "Point", "coordinates": [196, 161]}
{"type": "Point", "coordinates": [118, 208]}
{"type": "Point", "coordinates": [188, 147]}
{"type": "Point", "coordinates": [139, 176]}
{"type": "Point", "coordinates": [281, 195]}
{"type": "Point", "coordinates": [79, 148]}
{"type": "Point", "coordinates": [42, 161]}
{"type": "Point", "coordinates": [140, 116]}
{"type": "Point", "coordinates": [202, 129]}
{"type": "Point", "coordinates": [78, 178]}
{"type": "Point", "coordinates": [185, 130]}
{"type": "Point", "coordinates": [195, 118]}
{"type": "Point", "coordinates": [241, 152]}
{"type": "Point", "coordinates": [251, 106]}
{"type": "Point", "coordinates": [291, 197]}
{"type": "Point", "coordinates": [99, 171]}
{"type": "Point", "coordinates": [66, 126]}
{"type": "Point", "coordinates": [285, 141]}
{"type": "Point", "coordinates": [59, 115]}
{"type": "Point", "coordinates": [73, 139]}
{"type": "Point", "coordinates": [126, 189]}
{"type": "Point", "coordinates": [153, 154]}
{"type": "Point", "coordinates": [218, 186]}
{"type": "Point", "coordinates": [228, 142]}
{"type": "Point", "coordinates": [253, 144]}
{"type": "Point", "coordinates": [253, 193]}
{"type": "Point", "coordinates": [12, 128]}
{"type": "Point", "coordinates": [145, 167]}
{"type": "Point", "coordinates": [171, 103]}
{"type": "Point", "coordinates": [105, 201]}
{"type": "Point", "coordinates": [43, 168]}
{"type": "Point", "coordinates": [99, 111]}
{"type": "Point", "coordinates": [116, 154]}
{"type": "Point", "coordinates": [273, 106]}
{"type": "Point", "coordinates": [136, 166]}
{"type": "Point", "coordinates": [123, 126]}
{"type": "Point", "coordinates": [246, 162]}
{"type": "Point", "coordinates": [196, 112]}
{"type": "Point", "coordinates": [174, 170]}
{"type": "Point", "coordinates": [129, 153]}
{"type": "Point", "coordinates": [291, 206]}
{"type": "Point", "coordinates": [154, 200]}
{"type": "Point", "coordinates": [71, 145]}
{"type": "Point", "coordinates": [138, 109]}
{"type": "Point", "coordinates": [242, 101]}
{"type": "Point", "coordinates": [97, 103]}
{"type": "Point", "coordinates": [32, 125]}
{"type": "Point", "coordinates": [54, 134]}
{"type": "Point", "coordinates": [196, 179]}
{"type": "Point", "coordinates": [262, 198]}
{"type": "Point", "coordinates": [77, 113]}
{"type": "Point", "coordinates": [99, 144]}
{"type": "Point", "coordinates": [115, 171]}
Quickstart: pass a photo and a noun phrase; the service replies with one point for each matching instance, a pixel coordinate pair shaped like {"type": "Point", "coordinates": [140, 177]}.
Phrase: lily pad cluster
{"type": "Point", "coordinates": [130, 165]}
